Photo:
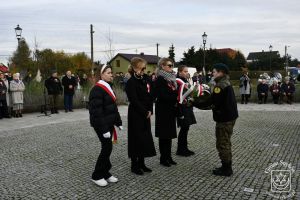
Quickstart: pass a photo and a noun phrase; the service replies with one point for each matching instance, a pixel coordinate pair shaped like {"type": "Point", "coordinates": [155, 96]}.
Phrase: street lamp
{"type": "Point", "coordinates": [270, 48]}
{"type": "Point", "coordinates": [204, 38]}
{"type": "Point", "coordinates": [18, 31]}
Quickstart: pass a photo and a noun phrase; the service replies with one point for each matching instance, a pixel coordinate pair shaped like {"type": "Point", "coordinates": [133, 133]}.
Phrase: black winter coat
{"type": "Point", "coordinates": [53, 86]}
{"type": "Point", "coordinates": [3, 90]}
{"type": "Point", "coordinates": [140, 141]}
{"type": "Point", "coordinates": [165, 109]}
{"type": "Point", "coordinates": [103, 111]}
{"type": "Point", "coordinates": [66, 82]}
{"type": "Point", "coordinates": [223, 101]}
{"type": "Point", "coordinates": [288, 88]}
{"type": "Point", "coordinates": [262, 88]}
{"type": "Point", "coordinates": [185, 110]}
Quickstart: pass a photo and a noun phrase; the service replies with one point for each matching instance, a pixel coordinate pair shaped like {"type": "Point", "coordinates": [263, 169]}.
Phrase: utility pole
{"type": "Point", "coordinates": [92, 48]}
{"type": "Point", "coordinates": [157, 52]}
{"type": "Point", "coordinates": [286, 60]}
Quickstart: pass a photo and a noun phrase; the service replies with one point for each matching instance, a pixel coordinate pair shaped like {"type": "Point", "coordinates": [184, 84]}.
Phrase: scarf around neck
{"type": "Point", "coordinates": [168, 76]}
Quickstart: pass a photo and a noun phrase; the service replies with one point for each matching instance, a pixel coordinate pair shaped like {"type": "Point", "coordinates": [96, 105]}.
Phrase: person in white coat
{"type": "Point", "coordinates": [245, 87]}
{"type": "Point", "coordinates": [17, 88]}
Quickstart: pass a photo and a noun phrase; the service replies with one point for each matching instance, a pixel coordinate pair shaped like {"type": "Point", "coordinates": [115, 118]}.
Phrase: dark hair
{"type": "Point", "coordinates": [181, 67]}
{"type": "Point", "coordinates": [105, 68]}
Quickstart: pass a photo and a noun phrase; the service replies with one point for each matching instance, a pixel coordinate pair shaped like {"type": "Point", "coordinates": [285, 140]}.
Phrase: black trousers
{"type": "Point", "coordinates": [137, 162]}
{"type": "Point", "coordinates": [276, 99]}
{"type": "Point", "coordinates": [245, 98]}
{"type": "Point", "coordinates": [103, 164]}
{"type": "Point", "coordinates": [3, 108]}
{"type": "Point", "coordinates": [262, 98]}
{"type": "Point", "coordinates": [165, 147]}
{"type": "Point", "coordinates": [182, 139]}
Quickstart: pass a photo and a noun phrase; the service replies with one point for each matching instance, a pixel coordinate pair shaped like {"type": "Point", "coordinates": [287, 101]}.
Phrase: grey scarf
{"type": "Point", "coordinates": [170, 77]}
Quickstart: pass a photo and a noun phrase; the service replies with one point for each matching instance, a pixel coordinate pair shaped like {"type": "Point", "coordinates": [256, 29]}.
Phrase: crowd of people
{"type": "Point", "coordinates": [163, 90]}
{"type": "Point", "coordinates": [280, 92]}
{"type": "Point", "coordinates": [12, 89]}
{"type": "Point", "coordinates": [11, 95]}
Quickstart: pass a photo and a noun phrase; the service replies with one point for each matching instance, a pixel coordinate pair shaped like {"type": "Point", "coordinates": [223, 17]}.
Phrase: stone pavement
{"type": "Point", "coordinates": [53, 158]}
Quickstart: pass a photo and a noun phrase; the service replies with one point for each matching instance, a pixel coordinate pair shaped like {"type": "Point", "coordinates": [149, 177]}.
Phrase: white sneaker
{"type": "Point", "coordinates": [112, 179]}
{"type": "Point", "coordinates": [102, 182]}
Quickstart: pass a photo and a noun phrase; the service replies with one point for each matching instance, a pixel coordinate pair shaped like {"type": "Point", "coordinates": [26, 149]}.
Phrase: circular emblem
{"type": "Point", "coordinates": [217, 90]}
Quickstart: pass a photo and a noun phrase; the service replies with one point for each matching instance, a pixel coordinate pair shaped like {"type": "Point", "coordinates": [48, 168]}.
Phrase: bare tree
{"type": "Point", "coordinates": [109, 48]}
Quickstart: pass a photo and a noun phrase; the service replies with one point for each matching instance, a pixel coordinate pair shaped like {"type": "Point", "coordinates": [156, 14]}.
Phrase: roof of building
{"type": "Point", "coordinates": [261, 54]}
{"type": "Point", "coordinates": [226, 50]}
{"type": "Point", "coordinates": [151, 59]}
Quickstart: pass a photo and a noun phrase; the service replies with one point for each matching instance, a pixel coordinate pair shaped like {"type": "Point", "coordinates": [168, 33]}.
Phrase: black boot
{"type": "Point", "coordinates": [185, 152]}
{"type": "Point", "coordinates": [171, 161]}
{"type": "Point", "coordinates": [224, 170]}
{"type": "Point", "coordinates": [142, 165]}
{"type": "Point", "coordinates": [56, 111]}
{"type": "Point", "coordinates": [135, 167]}
{"type": "Point", "coordinates": [165, 162]}
{"type": "Point", "coordinates": [52, 111]}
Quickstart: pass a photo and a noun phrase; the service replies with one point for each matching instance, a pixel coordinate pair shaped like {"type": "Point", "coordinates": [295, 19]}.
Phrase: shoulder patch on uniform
{"type": "Point", "coordinates": [217, 90]}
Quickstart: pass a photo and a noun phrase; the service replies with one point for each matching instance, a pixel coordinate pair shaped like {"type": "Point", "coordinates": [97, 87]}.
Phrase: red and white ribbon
{"type": "Point", "coordinates": [106, 87]}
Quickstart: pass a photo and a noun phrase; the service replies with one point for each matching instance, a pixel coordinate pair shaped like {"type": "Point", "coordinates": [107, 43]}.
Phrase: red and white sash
{"type": "Point", "coordinates": [181, 85]}
{"type": "Point", "coordinates": [106, 87]}
{"type": "Point", "coordinates": [181, 94]}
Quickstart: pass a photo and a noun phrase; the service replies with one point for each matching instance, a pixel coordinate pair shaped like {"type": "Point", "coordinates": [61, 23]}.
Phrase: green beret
{"type": "Point", "coordinates": [221, 66]}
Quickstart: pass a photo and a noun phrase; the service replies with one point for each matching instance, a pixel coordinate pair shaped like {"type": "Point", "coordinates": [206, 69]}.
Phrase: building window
{"type": "Point", "coordinates": [118, 63]}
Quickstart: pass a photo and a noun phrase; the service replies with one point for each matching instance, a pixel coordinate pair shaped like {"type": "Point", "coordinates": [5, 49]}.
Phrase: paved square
{"type": "Point", "coordinates": [53, 158]}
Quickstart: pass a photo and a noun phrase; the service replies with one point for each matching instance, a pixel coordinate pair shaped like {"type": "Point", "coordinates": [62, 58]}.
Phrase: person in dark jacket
{"type": "Point", "coordinates": [140, 110]}
{"type": "Point", "coordinates": [287, 90]}
{"type": "Point", "coordinates": [69, 82]}
{"type": "Point", "coordinates": [225, 113]}
{"type": "Point", "coordinates": [165, 92]}
{"type": "Point", "coordinates": [262, 92]}
{"type": "Point", "coordinates": [54, 89]}
{"type": "Point", "coordinates": [104, 115]}
{"type": "Point", "coordinates": [187, 117]}
{"type": "Point", "coordinates": [275, 91]}
{"type": "Point", "coordinates": [3, 102]}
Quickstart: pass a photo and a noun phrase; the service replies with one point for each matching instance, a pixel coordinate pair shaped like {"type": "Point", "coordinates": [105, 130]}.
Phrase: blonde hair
{"type": "Point", "coordinates": [135, 63]}
{"type": "Point", "coordinates": [163, 61]}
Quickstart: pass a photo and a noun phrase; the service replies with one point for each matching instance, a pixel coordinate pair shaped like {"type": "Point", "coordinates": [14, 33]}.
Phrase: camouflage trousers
{"type": "Point", "coordinates": [53, 99]}
{"type": "Point", "coordinates": [224, 131]}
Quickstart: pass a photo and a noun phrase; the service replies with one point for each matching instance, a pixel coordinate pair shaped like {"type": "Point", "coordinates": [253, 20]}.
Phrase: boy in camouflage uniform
{"type": "Point", "coordinates": [225, 113]}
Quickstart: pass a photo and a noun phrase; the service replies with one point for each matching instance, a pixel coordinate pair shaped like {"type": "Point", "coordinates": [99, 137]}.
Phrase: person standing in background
{"type": "Point", "coordinates": [245, 86]}
{"type": "Point", "coordinates": [287, 90]}
{"type": "Point", "coordinates": [17, 88]}
{"type": "Point", "coordinates": [262, 91]}
{"type": "Point", "coordinates": [54, 89]}
{"type": "Point", "coordinates": [3, 94]}
{"type": "Point", "coordinates": [69, 83]}
{"type": "Point", "coordinates": [275, 91]}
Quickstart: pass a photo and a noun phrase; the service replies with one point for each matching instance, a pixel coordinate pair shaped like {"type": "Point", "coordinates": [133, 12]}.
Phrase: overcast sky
{"type": "Point", "coordinates": [138, 25]}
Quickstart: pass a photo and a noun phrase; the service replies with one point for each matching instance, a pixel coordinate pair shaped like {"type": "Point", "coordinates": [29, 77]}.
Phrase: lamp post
{"type": "Point", "coordinates": [18, 31]}
{"type": "Point", "coordinates": [270, 48]}
{"type": "Point", "coordinates": [204, 38]}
